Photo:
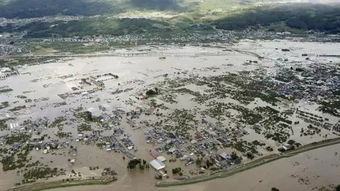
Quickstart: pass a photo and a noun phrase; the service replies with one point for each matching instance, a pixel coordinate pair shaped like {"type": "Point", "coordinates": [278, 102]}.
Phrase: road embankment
{"type": "Point", "coordinates": [63, 183]}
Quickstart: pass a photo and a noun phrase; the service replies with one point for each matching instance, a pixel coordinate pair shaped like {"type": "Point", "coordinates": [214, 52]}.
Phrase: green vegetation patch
{"type": "Point", "coordinates": [15, 161]}
{"type": "Point", "coordinates": [84, 127]}
{"type": "Point", "coordinates": [302, 17]}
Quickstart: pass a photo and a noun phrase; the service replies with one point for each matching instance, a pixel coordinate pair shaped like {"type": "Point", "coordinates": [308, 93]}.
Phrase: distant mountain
{"type": "Point", "coordinates": [304, 17]}
{"type": "Point", "coordinates": [167, 17]}
{"type": "Point", "coordinates": [40, 8]}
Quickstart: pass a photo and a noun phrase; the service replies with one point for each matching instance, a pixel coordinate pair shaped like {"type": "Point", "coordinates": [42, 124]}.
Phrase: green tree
{"type": "Point", "coordinates": [176, 170]}
{"type": "Point", "coordinates": [337, 188]}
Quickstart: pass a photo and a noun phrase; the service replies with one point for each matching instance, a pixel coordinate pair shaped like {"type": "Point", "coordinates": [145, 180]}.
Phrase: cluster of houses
{"type": "Point", "coordinates": [5, 72]}
{"type": "Point", "coordinates": [314, 83]}
{"type": "Point", "coordinates": [188, 151]}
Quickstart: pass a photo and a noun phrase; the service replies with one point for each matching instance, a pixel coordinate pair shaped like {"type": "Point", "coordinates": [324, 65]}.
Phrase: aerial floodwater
{"type": "Point", "coordinates": [160, 95]}
{"type": "Point", "coordinates": [86, 115]}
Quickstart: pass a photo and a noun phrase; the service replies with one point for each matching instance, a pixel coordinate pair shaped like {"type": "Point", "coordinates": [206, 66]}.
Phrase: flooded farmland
{"type": "Point", "coordinates": [194, 110]}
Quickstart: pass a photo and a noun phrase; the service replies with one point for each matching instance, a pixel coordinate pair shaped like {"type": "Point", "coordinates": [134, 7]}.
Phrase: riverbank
{"type": "Point", "coordinates": [64, 183]}
{"type": "Point", "coordinates": [250, 165]}
{"type": "Point", "coordinates": [316, 169]}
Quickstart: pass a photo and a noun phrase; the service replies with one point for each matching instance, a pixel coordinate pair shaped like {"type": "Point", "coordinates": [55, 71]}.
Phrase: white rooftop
{"type": "Point", "coordinates": [156, 164]}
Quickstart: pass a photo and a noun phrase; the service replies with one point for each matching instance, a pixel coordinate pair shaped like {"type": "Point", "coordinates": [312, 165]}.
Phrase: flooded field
{"type": "Point", "coordinates": [195, 109]}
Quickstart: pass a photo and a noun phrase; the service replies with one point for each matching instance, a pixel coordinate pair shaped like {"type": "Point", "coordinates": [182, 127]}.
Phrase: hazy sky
{"type": "Point", "coordinates": [315, 1]}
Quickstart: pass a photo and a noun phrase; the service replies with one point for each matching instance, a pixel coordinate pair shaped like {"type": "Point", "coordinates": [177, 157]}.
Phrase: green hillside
{"type": "Point", "coordinates": [40, 8]}
{"type": "Point", "coordinates": [165, 17]}
{"type": "Point", "coordinates": [322, 18]}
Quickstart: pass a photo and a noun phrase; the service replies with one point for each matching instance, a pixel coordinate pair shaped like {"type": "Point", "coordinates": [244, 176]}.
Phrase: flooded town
{"type": "Point", "coordinates": [165, 115]}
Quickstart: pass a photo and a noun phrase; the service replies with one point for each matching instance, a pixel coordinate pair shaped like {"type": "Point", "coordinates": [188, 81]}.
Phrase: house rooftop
{"type": "Point", "coordinates": [156, 164]}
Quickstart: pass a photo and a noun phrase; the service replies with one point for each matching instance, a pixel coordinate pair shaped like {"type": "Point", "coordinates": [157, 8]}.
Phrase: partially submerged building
{"type": "Point", "coordinates": [157, 164]}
